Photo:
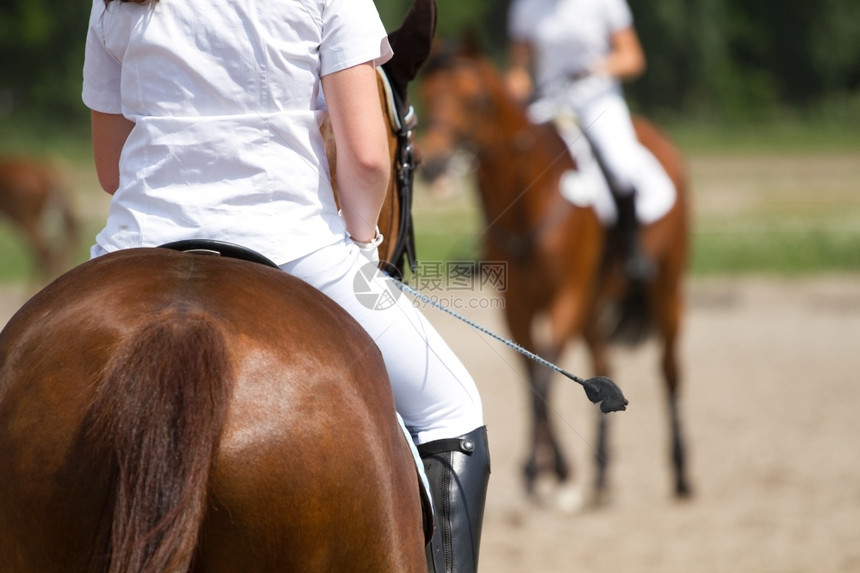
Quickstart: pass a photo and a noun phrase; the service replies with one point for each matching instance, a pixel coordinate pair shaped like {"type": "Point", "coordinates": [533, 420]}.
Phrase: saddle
{"type": "Point", "coordinates": [589, 185]}
{"type": "Point", "coordinates": [219, 248]}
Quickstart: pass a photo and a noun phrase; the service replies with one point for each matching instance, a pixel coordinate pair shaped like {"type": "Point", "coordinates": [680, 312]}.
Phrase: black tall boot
{"type": "Point", "coordinates": [637, 266]}
{"type": "Point", "coordinates": [458, 470]}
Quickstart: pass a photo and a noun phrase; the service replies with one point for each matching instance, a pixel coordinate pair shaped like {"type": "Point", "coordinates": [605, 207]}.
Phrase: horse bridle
{"type": "Point", "coordinates": [402, 120]}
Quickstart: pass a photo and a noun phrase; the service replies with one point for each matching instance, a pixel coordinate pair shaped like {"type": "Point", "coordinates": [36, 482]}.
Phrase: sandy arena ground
{"type": "Point", "coordinates": [772, 386]}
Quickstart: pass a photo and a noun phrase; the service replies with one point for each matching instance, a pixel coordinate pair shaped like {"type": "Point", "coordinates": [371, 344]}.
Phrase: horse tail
{"type": "Point", "coordinates": [159, 415]}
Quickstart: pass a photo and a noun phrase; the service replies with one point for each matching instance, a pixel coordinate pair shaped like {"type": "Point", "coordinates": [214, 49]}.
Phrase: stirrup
{"type": "Point", "coordinates": [458, 470]}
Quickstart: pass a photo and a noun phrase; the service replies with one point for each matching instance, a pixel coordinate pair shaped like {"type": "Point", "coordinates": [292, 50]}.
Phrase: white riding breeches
{"type": "Point", "coordinates": [597, 107]}
{"type": "Point", "coordinates": [606, 121]}
{"type": "Point", "coordinates": [433, 391]}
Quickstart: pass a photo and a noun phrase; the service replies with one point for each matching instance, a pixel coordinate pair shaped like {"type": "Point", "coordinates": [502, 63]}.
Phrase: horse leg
{"type": "Point", "coordinates": [666, 297]}
{"type": "Point", "coordinates": [600, 366]}
{"type": "Point", "coordinates": [669, 307]}
{"type": "Point", "coordinates": [568, 317]}
{"type": "Point", "coordinates": [544, 444]}
{"type": "Point", "coordinates": [65, 255]}
{"type": "Point", "coordinates": [546, 449]}
{"type": "Point", "coordinates": [44, 256]}
{"type": "Point", "coordinates": [678, 446]}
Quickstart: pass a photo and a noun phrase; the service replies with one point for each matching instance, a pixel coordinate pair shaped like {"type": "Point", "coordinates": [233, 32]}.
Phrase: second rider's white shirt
{"type": "Point", "coordinates": [568, 36]}
{"type": "Point", "coordinates": [226, 101]}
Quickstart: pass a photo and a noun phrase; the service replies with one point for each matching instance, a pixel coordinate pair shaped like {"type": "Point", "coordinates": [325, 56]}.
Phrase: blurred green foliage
{"type": "Point", "coordinates": [724, 76]}
{"type": "Point", "coordinates": [710, 59]}
{"type": "Point", "coordinates": [748, 59]}
{"type": "Point", "coordinates": [715, 60]}
{"type": "Point", "coordinates": [42, 51]}
{"type": "Point", "coordinates": [775, 251]}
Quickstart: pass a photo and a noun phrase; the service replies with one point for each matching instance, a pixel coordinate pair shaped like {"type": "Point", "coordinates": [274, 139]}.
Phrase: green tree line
{"type": "Point", "coordinates": [713, 58]}
{"type": "Point", "coordinates": [41, 57]}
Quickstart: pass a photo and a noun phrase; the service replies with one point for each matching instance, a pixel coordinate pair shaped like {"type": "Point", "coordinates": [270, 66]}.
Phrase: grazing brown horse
{"type": "Point", "coordinates": [560, 259]}
{"type": "Point", "coordinates": [166, 412]}
{"type": "Point", "coordinates": [30, 191]}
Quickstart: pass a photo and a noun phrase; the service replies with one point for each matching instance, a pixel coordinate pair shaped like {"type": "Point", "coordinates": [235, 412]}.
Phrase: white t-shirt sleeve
{"type": "Point", "coordinates": [618, 15]}
{"type": "Point", "coordinates": [352, 33]}
{"type": "Point", "coordinates": [102, 71]}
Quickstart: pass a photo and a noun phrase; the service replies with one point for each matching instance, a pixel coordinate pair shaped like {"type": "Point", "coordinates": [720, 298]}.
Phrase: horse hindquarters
{"type": "Point", "coordinates": [314, 472]}
{"type": "Point", "coordinates": [321, 480]}
{"type": "Point", "coordinates": [311, 469]}
{"type": "Point", "coordinates": [30, 193]}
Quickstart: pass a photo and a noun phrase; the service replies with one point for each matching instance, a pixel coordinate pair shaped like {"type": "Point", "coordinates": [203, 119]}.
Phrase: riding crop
{"type": "Point", "coordinates": [598, 389]}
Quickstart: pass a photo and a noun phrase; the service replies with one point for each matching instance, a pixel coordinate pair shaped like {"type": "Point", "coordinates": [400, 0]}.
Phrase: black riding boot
{"type": "Point", "coordinates": [458, 470]}
{"type": "Point", "coordinates": [637, 266]}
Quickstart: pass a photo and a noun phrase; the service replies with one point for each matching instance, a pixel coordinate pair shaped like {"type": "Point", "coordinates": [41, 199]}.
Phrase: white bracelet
{"type": "Point", "coordinates": [373, 243]}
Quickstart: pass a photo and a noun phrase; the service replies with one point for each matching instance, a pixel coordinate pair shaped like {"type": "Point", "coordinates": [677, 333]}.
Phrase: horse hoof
{"type": "Point", "coordinates": [683, 492]}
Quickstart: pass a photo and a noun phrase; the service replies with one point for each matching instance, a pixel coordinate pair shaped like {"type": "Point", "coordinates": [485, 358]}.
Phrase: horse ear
{"type": "Point", "coordinates": [470, 42]}
{"type": "Point", "coordinates": [412, 43]}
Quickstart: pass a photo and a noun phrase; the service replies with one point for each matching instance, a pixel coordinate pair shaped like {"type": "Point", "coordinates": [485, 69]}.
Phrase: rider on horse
{"type": "Point", "coordinates": [583, 50]}
{"type": "Point", "coordinates": [206, 118]}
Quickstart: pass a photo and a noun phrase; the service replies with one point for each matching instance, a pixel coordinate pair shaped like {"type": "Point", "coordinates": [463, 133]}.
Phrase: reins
{"type": "Point", "coordinates": [402, 120]}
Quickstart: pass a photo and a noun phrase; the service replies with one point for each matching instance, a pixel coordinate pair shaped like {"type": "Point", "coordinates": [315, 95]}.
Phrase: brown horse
{"type": "Point", "coordinates": [560, 259]}
{"type": "Point", "coordinates": [30, 191]}
{"type": "Point", "coordinates": [163, 411]}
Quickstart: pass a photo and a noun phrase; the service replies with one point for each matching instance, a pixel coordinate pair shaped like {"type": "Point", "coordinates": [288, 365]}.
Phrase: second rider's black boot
{"type": "Point", "coordinates": [637, 266]}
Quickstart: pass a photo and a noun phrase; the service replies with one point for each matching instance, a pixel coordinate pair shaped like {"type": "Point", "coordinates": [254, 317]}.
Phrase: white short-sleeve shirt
{"type": "Point", "coordinates": [568, 36]}
{"type": "Point", "coordinates": [226, 100]}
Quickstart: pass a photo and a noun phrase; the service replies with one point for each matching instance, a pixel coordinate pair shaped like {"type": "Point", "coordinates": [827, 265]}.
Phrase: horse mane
{"type": "Point", "coordinates": [158, 414]}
